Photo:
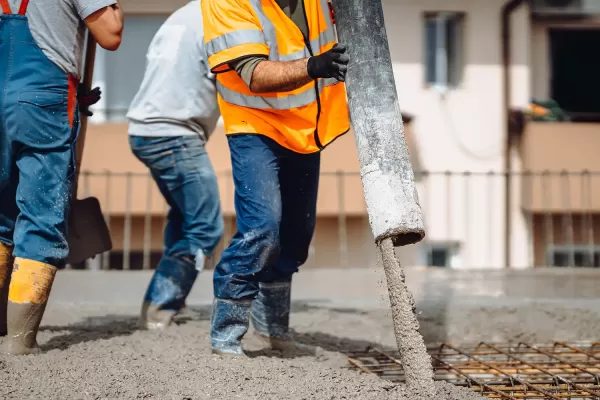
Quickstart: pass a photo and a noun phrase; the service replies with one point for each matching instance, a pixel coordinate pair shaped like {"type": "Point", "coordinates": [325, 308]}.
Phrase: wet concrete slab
{"type": "Point", "coordinates": [93, 349]}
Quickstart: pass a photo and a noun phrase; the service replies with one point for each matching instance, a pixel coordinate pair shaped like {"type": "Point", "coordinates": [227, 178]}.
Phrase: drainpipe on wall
{"type": "Point", "coordinates": [507, 11]}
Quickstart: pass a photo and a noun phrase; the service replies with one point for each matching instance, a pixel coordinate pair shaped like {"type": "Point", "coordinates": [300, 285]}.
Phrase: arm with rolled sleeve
{"type": "Point", "coordinates": [234, 41]}
{"type": "Point", "coordinates": [231, 32]}
{"type": "Point", "coordinates": [104, 19]}
{"type": "Point", "coordinates": [85, 8]}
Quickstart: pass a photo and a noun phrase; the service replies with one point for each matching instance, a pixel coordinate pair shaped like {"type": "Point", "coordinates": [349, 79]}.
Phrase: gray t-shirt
{"type": "Point", "coordinates": [58, 29]}
{"type": "Point", "coordinates": [178, 95]}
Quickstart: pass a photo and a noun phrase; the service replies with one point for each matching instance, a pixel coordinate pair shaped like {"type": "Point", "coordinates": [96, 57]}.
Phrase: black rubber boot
{"type": "Point", "coordinates": [165, 296]}
{"type": "Point", "coordinates": [154, 318]}
{"type": "Point", "coordinates": [229, 324]}
{"type": "Point", "coordinates": [270, 311]}
{"type": "Point", "coordinates": [270, 315]}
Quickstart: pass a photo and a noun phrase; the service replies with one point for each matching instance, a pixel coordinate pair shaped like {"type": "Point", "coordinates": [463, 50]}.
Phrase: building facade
{"type": "Point", "coordinates": [449, 68]}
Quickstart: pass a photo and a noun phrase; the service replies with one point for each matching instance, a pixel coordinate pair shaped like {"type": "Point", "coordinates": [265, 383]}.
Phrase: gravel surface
{"type": "Point", "coordinates": [94, 351]}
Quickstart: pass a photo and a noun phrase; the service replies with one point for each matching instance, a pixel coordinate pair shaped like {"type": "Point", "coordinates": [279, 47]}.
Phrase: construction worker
{"type": "Point", "coordinates": [40, 59]}
{"type": "Point", "coordinates": [278, 70]}
{"type": "Point", "coordinates": [171, 118]}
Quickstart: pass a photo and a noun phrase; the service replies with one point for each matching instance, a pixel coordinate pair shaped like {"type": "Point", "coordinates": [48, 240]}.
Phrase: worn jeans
{"type": "Point", "coordinates": [184, 174]}
{"type": "Point", "coordinates": [275, 202]}
{"type": "Point", "coordinates": [39, 124]}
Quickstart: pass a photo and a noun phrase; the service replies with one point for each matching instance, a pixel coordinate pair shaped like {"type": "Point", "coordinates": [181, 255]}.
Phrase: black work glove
{"type": "Point", "coordinates": [331, 64]}
{"type": "Point", "coordinates": [87, 98]}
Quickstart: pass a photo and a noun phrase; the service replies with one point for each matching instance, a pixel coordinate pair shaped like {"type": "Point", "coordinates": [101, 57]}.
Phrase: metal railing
{"type": "Point", "coordinates": [555, 220]}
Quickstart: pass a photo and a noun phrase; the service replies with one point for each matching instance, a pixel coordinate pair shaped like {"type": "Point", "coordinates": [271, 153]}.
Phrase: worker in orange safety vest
{"type": "Point", "coordinates": [280, 75]}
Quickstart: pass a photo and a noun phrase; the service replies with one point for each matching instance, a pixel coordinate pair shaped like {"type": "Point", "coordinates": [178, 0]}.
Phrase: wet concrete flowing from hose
{"type": "Point", "coordinates": [416, 361]}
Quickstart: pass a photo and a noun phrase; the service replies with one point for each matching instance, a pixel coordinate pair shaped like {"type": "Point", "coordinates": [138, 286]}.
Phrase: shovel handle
{"type": "Point", "coordinates": [88, 74]}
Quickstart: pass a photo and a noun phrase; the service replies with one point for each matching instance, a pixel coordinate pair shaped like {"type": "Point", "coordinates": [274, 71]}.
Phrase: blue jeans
{"type": "Point", "coordinates": [184, 174]}
{"type": "Point", "coordinates": [38, 132]}
{"type": "Point", "coordinates": [275, 202]}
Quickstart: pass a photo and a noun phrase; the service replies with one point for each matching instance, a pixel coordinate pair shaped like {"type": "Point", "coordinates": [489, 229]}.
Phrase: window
{"type": "Point", "coordinates": [443, 49]}
{"type": "Point", "coordinates": [124, 68]}
{"type": "Point", "coordinates": [574, 80]}
{"type": "Point", "coordinates": [573, 256]}
{"type": "Point", "coordinates": [442, 254]}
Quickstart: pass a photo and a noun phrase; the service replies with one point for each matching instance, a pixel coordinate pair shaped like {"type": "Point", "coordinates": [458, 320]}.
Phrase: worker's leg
{"type": "Point", "coordinates": [299, 179]}
{"type": "Point", "coordinates": [8, 181]}
{"type": "Point", "coordinates": [184, 174]}
{"type": "Point", "coordinates": [39, 118]}
{"type": "Point", "coordinates": [44, 123]}
{"type": "Point", "coordinates": [254, 248]}
{"type": "Point", "coordinates": [8, 215]}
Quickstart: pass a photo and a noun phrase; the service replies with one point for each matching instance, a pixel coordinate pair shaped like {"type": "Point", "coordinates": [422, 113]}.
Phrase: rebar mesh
{"type": "Point", "coordinates": [504, 371]}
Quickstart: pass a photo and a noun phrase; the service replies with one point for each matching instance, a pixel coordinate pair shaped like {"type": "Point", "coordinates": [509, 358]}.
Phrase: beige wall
{"type": "Point", "coordinates": [561, 146]}
{"type": "Point", "coordinates": [558, 147]}
{"type": "Point", "coordinates": [329, 248]}
{"type": "Point", "coordinates": [463, 130]}
{"type": "Point", "coordinates": [107, 150]}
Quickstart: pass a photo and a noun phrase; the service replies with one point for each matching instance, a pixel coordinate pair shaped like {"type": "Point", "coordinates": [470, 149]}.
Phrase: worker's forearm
{"type": "Point", "coordinates": [106, 25]}
{"type": "Point", "coordinates": [279, 76]}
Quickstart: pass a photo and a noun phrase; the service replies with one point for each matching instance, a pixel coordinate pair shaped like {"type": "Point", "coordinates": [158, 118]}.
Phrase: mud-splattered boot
{"type": "Point", "coordinates": [30, 285]}
{"type": "Point", "coordinates": [154, 318]}
{"type": "Point", "coordinates": [6, 262]}
{"type": "Point", "coordinates": [165, 297]}
{"type": "Point", "coordinates": [229, 323]}
{"type": "Point", "coordinates": [270, 315]}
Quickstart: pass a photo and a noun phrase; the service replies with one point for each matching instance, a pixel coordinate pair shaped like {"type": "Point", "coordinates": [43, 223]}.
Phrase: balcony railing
{"type": "Point", "coordinates": [555, 220]}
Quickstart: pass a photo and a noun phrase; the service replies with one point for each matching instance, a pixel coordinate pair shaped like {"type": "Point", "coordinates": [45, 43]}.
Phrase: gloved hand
{"type": "Point", "coordinates": [87, 98]}
{"type": "Point", "coordinates": [331, 64]}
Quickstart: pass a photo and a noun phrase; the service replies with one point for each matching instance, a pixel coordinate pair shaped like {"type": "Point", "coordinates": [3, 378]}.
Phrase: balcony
{"type": "Point", "coordinates": [557, 155]}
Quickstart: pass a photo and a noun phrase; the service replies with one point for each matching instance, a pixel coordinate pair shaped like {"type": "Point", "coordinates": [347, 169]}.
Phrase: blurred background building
{"type": "Point", "coordinates": [487, 205]}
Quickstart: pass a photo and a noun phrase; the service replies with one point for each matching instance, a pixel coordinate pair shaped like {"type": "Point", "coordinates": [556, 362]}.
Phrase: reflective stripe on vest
{"type": "Point", "coordinates": [274, 103]}
{"type": "Point", "coordinates": [6, 7]}
{"type": "Point", "coordinates": [268, 37]}
{"type": "Point", "coordinates": [234, 38]}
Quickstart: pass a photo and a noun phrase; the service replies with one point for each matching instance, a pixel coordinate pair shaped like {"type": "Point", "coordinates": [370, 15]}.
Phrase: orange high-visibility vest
{"type": "Point", "coordinates": [304, 120]}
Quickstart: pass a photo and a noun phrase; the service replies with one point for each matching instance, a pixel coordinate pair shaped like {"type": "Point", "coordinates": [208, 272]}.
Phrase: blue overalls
{"type": "Point", "coordinates": [38, 131]}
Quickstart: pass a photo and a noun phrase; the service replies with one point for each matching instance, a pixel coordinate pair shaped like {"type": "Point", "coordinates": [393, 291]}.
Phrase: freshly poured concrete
{"type": "Point", "coordinates": [94, 351]}
{"type": "Point", "coordinates": [413, 352]}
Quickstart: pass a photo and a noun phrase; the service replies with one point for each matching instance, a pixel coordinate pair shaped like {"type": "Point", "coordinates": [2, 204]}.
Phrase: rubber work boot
{"type": "Point", "coordinates": [229, 324]}
{"type": "Point", "coordinates": [154, 318]}
{"type": "Point", "coordinates": [166, 294]}
{"type": "Point", "coordinates": [270, 316]}
{"type": "Point", "coordinates": [6, 262]}
{"type": "Point", "coordinates": [30, 285]}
